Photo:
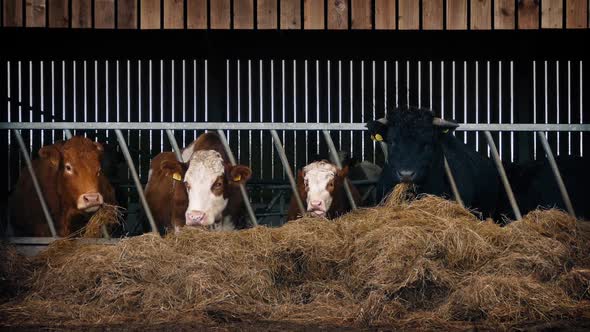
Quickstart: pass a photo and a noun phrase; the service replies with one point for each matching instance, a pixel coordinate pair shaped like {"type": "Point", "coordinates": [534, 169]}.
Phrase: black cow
{"type": "Point", "coordinates": [417, 142]}
{"type": "Point", "coordinates": [535, 186]}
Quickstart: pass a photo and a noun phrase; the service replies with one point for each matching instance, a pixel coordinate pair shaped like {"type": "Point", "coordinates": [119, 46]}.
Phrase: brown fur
{"type": "Point", "coordinates": [340, 204]}
{"type": "Point", "coordinates": [173, 202]}
{"type": "Point", "coordinates": [60, 191]}
{"type": "Point", "coordinates": [166, 196]}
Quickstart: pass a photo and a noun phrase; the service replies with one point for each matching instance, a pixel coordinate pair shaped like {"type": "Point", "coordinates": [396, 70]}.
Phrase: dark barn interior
{"type": "Point", "coordinates": [496, 65]}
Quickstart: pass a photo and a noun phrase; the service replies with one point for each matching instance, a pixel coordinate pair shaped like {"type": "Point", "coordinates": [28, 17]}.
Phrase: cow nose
{"type": "Point", "coordinates": [316, 204]}
{"type": "Point", "coordinates": [91, 199]}
{"type": "Point", "coordinates": [406, 176]}
{"type": "Point", "coordinates": [194, 218]}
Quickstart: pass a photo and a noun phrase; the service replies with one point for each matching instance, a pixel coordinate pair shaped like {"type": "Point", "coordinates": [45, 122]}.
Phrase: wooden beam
{"type": "Point", "coordinates": [35, 13]}
{"type": "Point", "coordinates": [290, 14]}
{"type": "Point", "coordinates": [127, 14]}
{"type": "Point", "coordinates": [409, 15]}
{"type": "Point", "coordinates": [173, 14]}
{"type": "Point", "coordinates": [361, 14]}
{"type": "Point", "coordinates": [432, 15]}
{"type": "Point", "coordinates": [81, 14]}
{"type": "Point", "coordinates": [552, 14]}
{"type": "Point", "coordinates": [313, 15]}
{"type": "Point", "coordinates": [528, 14]}
{"type": "Point", "coordinates": [456, 14]}
{"type": "Point", "coordinates": [196, 14]}
{"type": "Point", "coordinates": [243, 14]}
{"type": "Point", "coordinates": [104, 14]}
{"type": "Point", "coordinates": [504, 15]}
{"type": "Point", "coordinates": [577, 14]}
{"type": "Point", "coordinates": [338, 14]}
{"type": "Point", "coordinates": [220, 14]}
{"type": "Point", "coordinates": [267, 14]}
{"type": "Point", "coordinates": [150, 14]}
{"type": "Point", "coordinates": [481, 14]}
{"type": "Point", "coordinates": [13, 13]}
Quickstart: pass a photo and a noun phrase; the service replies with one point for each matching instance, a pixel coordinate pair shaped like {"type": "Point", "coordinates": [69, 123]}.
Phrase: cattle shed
{"type": "Point", "coordinates": [285, 81]}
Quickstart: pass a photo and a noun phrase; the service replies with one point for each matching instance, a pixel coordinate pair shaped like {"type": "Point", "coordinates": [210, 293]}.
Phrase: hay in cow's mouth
{"type": "Point", "coordinates": [107, 216]}
{"type": "Point", "coordinates": [426, 263]}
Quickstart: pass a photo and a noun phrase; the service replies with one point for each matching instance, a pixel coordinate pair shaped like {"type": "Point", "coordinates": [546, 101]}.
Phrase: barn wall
{"type": "Point", "coordinates": [298, 14]}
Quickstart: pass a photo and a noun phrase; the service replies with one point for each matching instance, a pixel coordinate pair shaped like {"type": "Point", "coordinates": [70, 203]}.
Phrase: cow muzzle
{"type": "Point", "coordinates": [317, 208]}
{"type": "Point", "coordinates": [195, 218]}
{"type": "Point", "coordinates": [406, 176]}
{"type": "Point", "coordinates": [90, 202]}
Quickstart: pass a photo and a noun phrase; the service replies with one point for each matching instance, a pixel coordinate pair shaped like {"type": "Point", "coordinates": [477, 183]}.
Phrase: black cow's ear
{"type": "Point", "coordinates": [51, 153]}
{"type": "Point", "coordinates": [445, 126]}
{"type": "Point", "coordinates": [239, 174]}
{"type": "Point", "coordinates": [378, 129]}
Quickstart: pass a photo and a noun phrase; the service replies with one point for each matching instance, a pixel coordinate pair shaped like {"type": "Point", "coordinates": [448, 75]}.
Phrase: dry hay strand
{"type": "Point", "coordinates": [423, 263]}
{"type": "Point", "coordinates": [15, 269]}
{"type": "Point", "coordinates": [107, 216]}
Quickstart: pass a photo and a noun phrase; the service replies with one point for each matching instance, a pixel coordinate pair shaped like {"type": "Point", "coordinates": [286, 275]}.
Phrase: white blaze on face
{"type": "Point", "coordinates": [317, 176]}
{"type": "Point", "coordinates": [204, 207]}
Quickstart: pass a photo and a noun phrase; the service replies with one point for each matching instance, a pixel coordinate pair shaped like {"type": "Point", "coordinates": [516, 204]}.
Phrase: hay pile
{"type": "Point", "coordinates": [425, 263]}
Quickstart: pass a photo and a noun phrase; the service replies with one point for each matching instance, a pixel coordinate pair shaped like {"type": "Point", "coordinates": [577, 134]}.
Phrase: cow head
{"type": "Point", "coordinates": [321, 179]}
{"type": "Point", "coordinates": [208, 181]}
{"type": "Point", "coordinates": [412, 136]}
{"type": "Point", "coordinates": [78, 165]}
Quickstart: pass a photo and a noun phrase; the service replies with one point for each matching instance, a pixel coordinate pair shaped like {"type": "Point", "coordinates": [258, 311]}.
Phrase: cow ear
{"type": "Point", "coordinates": [51, 153]}
{"type": "Point", "coordinates": [445, 126]}
{"type": "Point", "coordinates": [239, 174]}
{"type": "Point", "coordinates": [172, 169]}
{"type": "Point", "coordinates": [99, 147]}
{"type": "Point", "coordinates": [343, 172]}
{"type": "Point", "coordinates": [378, 129]}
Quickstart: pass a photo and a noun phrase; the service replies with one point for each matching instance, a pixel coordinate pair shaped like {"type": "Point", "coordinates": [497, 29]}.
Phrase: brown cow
{"type": "Point", "coordinates": [321, 188]}
{"type": "Point", "coordinates": [73, 186]}
{"type": "Point", "coordinates": [202, 191]}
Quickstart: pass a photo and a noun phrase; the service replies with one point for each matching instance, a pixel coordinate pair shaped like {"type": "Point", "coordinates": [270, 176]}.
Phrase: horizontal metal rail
{"type": "Point", "coordinates": [270, 126]}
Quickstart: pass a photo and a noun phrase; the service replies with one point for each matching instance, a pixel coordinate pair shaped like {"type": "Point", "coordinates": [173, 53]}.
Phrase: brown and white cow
{"type": "Point", "coordinates": [69, 173]}
{"type": "Point", "coordinates": [202, 191]}
{"type": "Point", "coordinates": [321, 188]}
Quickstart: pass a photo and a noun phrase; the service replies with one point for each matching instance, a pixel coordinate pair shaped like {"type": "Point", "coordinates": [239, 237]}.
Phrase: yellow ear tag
{"type": "Point", "coordinates": [176, 176]}
{"type": "Point", "coordinates": [445, 131]}
{"type": "Point", "coordinates": [378, 137]}
{"type": "Point", "coordinates": [237, 178]}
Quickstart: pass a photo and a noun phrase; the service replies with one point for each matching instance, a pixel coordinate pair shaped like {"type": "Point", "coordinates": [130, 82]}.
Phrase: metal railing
{"type": "Point", "coordinates": [273, 127]}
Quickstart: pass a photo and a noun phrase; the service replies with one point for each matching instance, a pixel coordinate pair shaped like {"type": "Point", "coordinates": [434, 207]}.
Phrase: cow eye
{"type": "Point", "coordinates": [68, 168]}
{"type": "Point", "coordinates": [217, 185]}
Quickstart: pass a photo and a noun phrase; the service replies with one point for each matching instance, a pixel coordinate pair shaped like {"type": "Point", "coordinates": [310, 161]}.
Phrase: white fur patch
{"type": "Point", "coordinates": [317, 175]}
{"type": "Point", "coordinates": [204, 168]}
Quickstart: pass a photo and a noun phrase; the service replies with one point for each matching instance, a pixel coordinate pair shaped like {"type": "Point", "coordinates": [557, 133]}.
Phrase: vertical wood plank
{"type": "Point", "coordinates": [104, 14]}
{"type": "Point", "coordinates": [481, 14]}
{"type": "Point", "coordinates": [552, 11]}
{"type": "Point", "coordinates": [504, 14]}
{"type": "Point", "coordinates": [150, 14]}
{"type": "Point", "coordinates": [196, 14]}
{"type": "Point", "coordinates": [13, 13]}
{"type": "Point", "coordinates": [59, 16]}
{"type": "Point", "coordinates": [385, 14]}
{"type": "Point", "coordinates": [127, 14]}
{"type": "Point", "coordinates": [267, 14]}
{"type": "Point", "coordinates": [577, 14]}
{"type": "Point", "coordinates": [432, 15]}
{"type": "Point", "coordinates": [173, 14]}
{"type": "Point", "coordinates": [528, 14]}
{"type": "Point", "coordinates": [220, 14]}
{"type": "Point", "coordinates": [81, 14]}
{"type": "Point", "coordinates": [409, 15]}
{"type": "Point", "coordinates": [243, 14]}
{"type": "Point", "coordinates": [35, 13]}
{"type": "Point", "coordinates": [337, 14]}
{"type": "Point", "coordinates": [313, 14]}
{"type": "Point", "coordinates": [456, 14]}
{"type": "Point", "coordinates": [361, 14]}
{"type": "Point", "coordinates": [290, 14]}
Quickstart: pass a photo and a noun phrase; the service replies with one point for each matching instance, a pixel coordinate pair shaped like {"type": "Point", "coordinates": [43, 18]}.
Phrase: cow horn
{"type": "Point", "coordinates": [438, 122]}
{"type": "Point", "coordinates": [383, 121]}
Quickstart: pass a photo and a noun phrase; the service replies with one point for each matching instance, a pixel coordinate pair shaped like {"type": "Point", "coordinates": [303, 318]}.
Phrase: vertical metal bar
{"type": "Point", "coordinates": [465, 98]}
{"type": "Point", "coordinates": [44, 206]}
{"type": "Point", "coordinates": [174, 144]}
{"type": "Point", "coordinates": [332, 150]}
{"type": "Point", "coordinates": [557, 104]}
{"type": "Point", "coordinates": [452, 182]}
{"type": "Point", "coordinates": [500, 103]}
{"type": "Point", "coordinates": [243, 191]}
{"type": "Point", "coordinates": [136, 180]}
{"type": "Point", "coordinates": [503, 176]}
{"type": "Point", "coordinates": [558, 178]}
{"type": "Point", "coordinates": [363, 108]}
{"type": "Point", "coordinates": [419, 85]}
{"type": "Point", "coordinates": [42, 95]}
{"type": "Point", "coordinates": [534, 107]}
{"type": "Point", "coordinates": [306, 95]}
{"type": "Point", "coordinates": [569, 105]}
{"type": "Point", "coordinates": [68, 133]}
{"type": "Point", "coordinates": [106, 93]}
{"type": "Point", "coordinates": [442, 89]}
{"type": "Point", "coordinates": [511, 110]}
{"type": "Point", "coordinates": [581, 110]}
{"type": "Point", "coordinates": [285, 162]}
{"type": "Point", "coordinates": [476, 104]}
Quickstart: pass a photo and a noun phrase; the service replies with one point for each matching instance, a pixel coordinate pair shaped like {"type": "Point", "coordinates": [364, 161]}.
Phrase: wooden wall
{"type": "Point", "coordinates": [297, 14]}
